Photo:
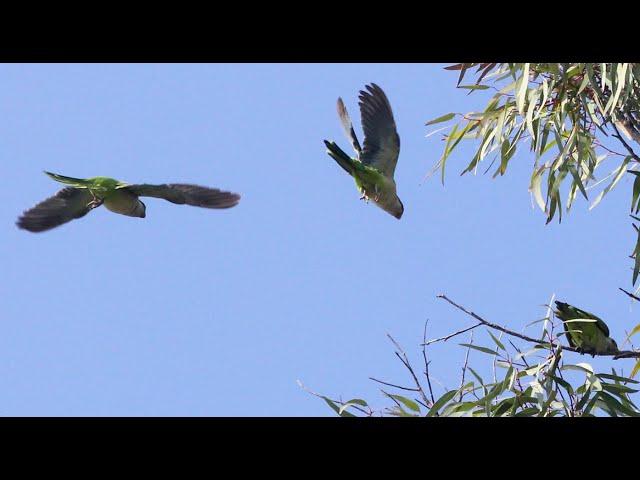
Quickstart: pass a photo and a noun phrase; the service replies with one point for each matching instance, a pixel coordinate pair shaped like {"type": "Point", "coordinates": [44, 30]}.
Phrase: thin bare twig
{"type": "Point", "coordinates": [616, 356]}
{"type": "Point", "coordinates": [444, 339]}
{"type": "Point", "coordinates": [630, 294]}
{"type": "Point", "coordinates": [613, 152]}
{"type": "Point", "coordinates": [426, 362]}
{"type": "Point", "coordinates": [464, 367]}
{"type": "Point", "coordinates": [339, 402]}
{"type": "Point", "coordinates": [410, 389]}
{"type": "Point", "coordinates": [626, 145]}
{"type": "Point", "coordinates": [405, 360]}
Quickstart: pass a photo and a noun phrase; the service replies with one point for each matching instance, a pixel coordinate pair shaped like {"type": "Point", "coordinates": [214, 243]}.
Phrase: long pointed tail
{"type": "Point", "coordinates": [76, 182]}
{"type": "Point", "coordinates": [340, 157]}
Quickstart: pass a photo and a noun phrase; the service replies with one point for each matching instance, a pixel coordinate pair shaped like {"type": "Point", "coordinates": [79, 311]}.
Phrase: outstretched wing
{"type": "Point", "coordinates": [381, 140]}
{"type": "Point", "coordinates": [66, 205]}
{"type": "Point", "coordinates": [183, 193]}
{"type": "Point", "coordinates": [348, 126]}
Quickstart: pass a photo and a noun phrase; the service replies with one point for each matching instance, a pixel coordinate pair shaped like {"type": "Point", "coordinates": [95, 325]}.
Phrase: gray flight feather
{"type": "Point", "coordinates": [188, 194]}
{"type": "Point", "coordinates": [66, 205]}
{"type": "Point", "coordinates": [381, 140]}
{"type": "Point", "coordinates": [348, 126]}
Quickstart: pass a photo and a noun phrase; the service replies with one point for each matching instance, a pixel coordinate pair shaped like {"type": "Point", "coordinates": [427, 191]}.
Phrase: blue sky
{"type": "Point", "coordinates": [198, 312]}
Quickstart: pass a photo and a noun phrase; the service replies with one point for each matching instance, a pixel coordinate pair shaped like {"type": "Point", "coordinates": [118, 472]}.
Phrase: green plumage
{"type": "Point", "coordinates": [585, 331]}
{"type": "Point", "coordinates": [374, 167]}
{"type": "Point", "coordinates": [84, 194]}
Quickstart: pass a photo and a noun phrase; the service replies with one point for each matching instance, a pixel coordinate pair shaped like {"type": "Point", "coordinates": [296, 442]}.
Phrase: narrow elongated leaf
{"type": "Point", "coordinates": [521, 89]}
{"type": "Point", "coordinates": [443, 400]}
{"type": "Point", "coordinates": [618, 173]}
{"type": "Point", "coordinates": [443, 118]}
{"type": "Point", "coordinates": [354, 401]}
{"type": "Point", "coordinates": [634, 331]}
{"type": "Point", "coordinates": [445, 154]}
{"type": "Point", "coordinates": [617, 378]}
{"type": "Point", "coordinates": [474, 87]}
{"type": "Point", "coordinates": [480, 349]}
{"type": "Point", "coordinates": [410, 404]}
{"type": "Point", "coordinates": [498, 342]}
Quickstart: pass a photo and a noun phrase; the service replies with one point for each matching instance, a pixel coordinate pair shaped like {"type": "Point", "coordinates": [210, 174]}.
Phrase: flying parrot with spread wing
{"type": "Point", "coordinates": [375, 163]}
{"type": "Point", "coordinates": [585, 331]}
{"type": "Point", "coordinates": [83, 195]}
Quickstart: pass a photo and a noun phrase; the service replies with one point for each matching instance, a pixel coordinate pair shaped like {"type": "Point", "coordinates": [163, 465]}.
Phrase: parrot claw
{"type": "Point", "coordinates": [95, 203]}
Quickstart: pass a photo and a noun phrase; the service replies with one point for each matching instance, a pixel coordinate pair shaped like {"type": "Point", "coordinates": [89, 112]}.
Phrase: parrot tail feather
{"type": "Point", "coordinates": [76, 182]}
{"type": "Point", "coordinates": [340, 157]}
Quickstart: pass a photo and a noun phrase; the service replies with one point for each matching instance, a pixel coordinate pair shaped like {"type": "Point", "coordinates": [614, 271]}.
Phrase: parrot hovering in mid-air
{"type": "Point", "coordinates": [86, 194]}
{"type": "Point", "coordinates": [375, 162]}
{"type": "Point", "coordinates": [585, 332]}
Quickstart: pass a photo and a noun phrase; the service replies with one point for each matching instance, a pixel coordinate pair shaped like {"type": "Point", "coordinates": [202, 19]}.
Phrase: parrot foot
{"type": "Point", "coordinates": [95, 203]}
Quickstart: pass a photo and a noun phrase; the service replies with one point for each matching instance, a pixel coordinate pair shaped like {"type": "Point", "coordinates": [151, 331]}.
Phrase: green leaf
{"type": "Point", "coordinates": [527, 412]}
{"type": "Point", "coordinates": [617, 378]}
{"type": "Point", "coordinates": [635, 330]}
{"type": "Point", "coordinates": [441, 119]}
{"type": "Point", "coordinates": [474, 87]}
{"type": "Point", "coordinates": [578, 181]}
{"type": "Point", "coordinates": [563, 383]}
{"type": "Point", "coordinates": [521, 89]}
{"type": "Point", "coordinates": [533, 100]}
{"type": "Point", "coordinates": [410, 404]}
{"type": "Point", "coordinates": [618, 173]}
{"type": "Point", "coordinates": [617, 388]}
{"type": "Point", "coordinates": [335, 408]}
{"type": "Point", "coordinates": [621, 72]}
{"type": "Point", "coordinates": [615, 406]}
{"type": "Point", "coordinates": [536, 189]}
{"type": "Point", "coordinates": [636, 256]}
{"type": "Point", "coordinates": [585, 82]}
{"type": "Point", "coordinates": [580, 367]}
{"type": "Point", "coordinates": [442, 401]}
{"type": "Point", "coordinates": [636, 369]}
{"type": "Point", "coordinates": [480, 349]}
{"type": "Point", "coordinates": [498, 342]}
{"type": "Point", "coordinates": [445, 154]}
{"type": "Point", "coordinates": [355, 401]}
{"type": "Point", "coordinates": [635, 204]}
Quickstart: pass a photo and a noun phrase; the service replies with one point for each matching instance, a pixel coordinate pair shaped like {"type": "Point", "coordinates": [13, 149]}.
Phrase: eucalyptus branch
{"type": "Point", "coordinates": [613, 152]}
{"type": "Point", "coordinates": [630, 294]}
{"type": "Point", "coordinates": [616, 356]}
{"type": "Point", "coordinates": [426, 362]}
{"type": "Point", "coordinates": [368, 412]}
{"type": "Point", "coordinates": [400, 387]}
{"type": "Point", "coordinates": [624, 143]}
{"type": "Point", "coordinates": [464, 367]}
{"type": "Point", "coordinates": [455, 334]}
{"type": "Point", "coordinates": [405, 360]}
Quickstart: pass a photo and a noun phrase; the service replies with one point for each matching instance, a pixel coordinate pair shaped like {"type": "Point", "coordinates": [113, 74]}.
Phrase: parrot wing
{"type": "Point", "coordinates": [187, 194]}
{"type": "Point", "coordinates": [381, 140]}
{"type": "Point", "coordinates": [66, 205]}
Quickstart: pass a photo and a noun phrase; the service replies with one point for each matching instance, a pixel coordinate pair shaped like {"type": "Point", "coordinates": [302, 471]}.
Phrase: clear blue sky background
{"type": "Point", "coordinates": [198, 312]}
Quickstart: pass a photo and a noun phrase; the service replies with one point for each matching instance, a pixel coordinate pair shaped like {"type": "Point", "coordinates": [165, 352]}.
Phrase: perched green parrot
{"type": "Point", "coordinates": [86, 194]}
{"type": "Point", "coordinates": [585, 331]}
{"type": "Point", "coordinates": [375, 164]}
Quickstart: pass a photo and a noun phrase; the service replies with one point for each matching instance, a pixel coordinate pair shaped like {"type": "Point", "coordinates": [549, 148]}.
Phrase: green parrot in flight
{"type": "Point", "coordinates": [86, 194]}
{"type": "Point", "coordinates": [585, 331]}
{"type": "Point", "coordinates": [375, 163]}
